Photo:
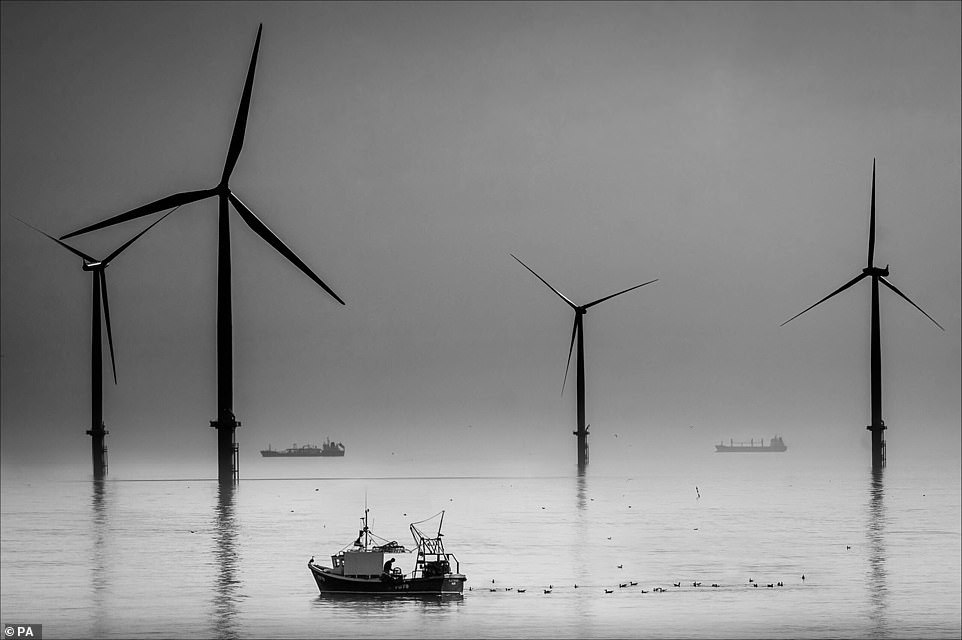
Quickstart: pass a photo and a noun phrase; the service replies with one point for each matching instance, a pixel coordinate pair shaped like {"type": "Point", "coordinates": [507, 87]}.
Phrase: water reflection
{"type": "Point", "coordinates": [372, 602]}
{"type": "Point", "coordinates": [579, 551]}
{"type": "Point", "coordinates": [876, 578]}
{"type": "Point", "coordinates": [226, 565]}
{"type": "Point", "coordinates": [99, 580]}
{"type": "Point", "coordinates": [398, 610]}
{"type": "Point", "coordinates": [582, 492]}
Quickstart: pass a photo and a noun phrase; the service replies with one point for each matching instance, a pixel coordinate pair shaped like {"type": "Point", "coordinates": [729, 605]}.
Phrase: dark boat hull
{"type": "Point", "coordinates": [328, 582]}
{"type": "Point", "coordinates": [724, 448]}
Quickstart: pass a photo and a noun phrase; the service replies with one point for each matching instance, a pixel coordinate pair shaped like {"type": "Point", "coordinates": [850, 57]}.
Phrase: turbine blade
{"type": "Point", "coordinates": [836, 292]}
{"type": "Point", "coordinates": [116, 253]}
{"type": "Point", "coordinates": [62, 244]}
{"type": "Point", "coordinates": [561, 295]}
{"type": "Point", "coordinates": [591, 304]}
{"type": "Point", "coordinates": [574, 332]}
{"type": "Point", "coordinates": [893, 288]}
{"type": "Point", "coordinates": [110, 335]}
{"type": "Point", "coordinates": [871, 229]}
{"type": "Point", "coordinates": [240, 124]}
{"type": "Point", "coordinates": [167, 202]}
{"type": "Point", "coordinates": [261, 229]}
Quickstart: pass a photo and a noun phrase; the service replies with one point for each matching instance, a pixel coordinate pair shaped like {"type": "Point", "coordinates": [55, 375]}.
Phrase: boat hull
{"type": "Point", "coordinates": [329, 582]}
{"type": "Point", "coordinates": [267, 453]}
{"type": "Point", "coordinates": [724, 448]}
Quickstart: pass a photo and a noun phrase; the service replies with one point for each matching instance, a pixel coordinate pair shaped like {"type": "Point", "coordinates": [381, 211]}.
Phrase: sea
{"type": "Point", "coordinates": [732, 546]}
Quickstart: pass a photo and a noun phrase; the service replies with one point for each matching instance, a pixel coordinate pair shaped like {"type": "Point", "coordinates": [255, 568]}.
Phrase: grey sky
{"type": "Point", "coordinates": [403, 150]}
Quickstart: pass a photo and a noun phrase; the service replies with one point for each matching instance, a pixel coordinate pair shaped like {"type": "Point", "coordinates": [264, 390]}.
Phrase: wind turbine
{"type": "Point", "coordinates": [877, 427]}
{"type": "Point", "coordinates": [225, 423]}
{"type": "Point", "coordinates": [577, 331]}
{"type": "Point", "coordinates": [97, 269]}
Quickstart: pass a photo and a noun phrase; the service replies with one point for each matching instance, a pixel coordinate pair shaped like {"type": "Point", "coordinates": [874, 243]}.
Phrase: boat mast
{"type": "Point", "coordinates": [366, 530]}
{"type": "Point", "coordinates": [365, 521]}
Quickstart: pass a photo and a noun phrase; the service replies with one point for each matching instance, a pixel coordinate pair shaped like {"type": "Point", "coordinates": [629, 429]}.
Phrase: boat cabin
{"type": "Point", "coordinates": [359, 564]}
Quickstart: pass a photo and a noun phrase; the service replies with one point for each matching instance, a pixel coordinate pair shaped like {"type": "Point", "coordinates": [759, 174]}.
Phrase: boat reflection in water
{"type": "Point", "coordinates": [360, 568]}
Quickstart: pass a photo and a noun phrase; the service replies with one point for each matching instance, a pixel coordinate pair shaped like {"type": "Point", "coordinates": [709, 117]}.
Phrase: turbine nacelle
{"type": "Point", "coordinates": [93, 266]}
{"type": "Point", "coordinates": [876, 271]}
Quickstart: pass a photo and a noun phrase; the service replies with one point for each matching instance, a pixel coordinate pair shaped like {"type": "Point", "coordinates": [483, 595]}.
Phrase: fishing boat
{"type": "Point", "coordinates": [361, 568]}
{"type": "Point", "coordinates": [328, 449]}
{"type": "Point", "coordinates": [775, 445]}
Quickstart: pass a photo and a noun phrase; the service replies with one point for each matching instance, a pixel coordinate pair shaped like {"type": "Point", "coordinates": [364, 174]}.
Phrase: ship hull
{"type": "Point", "coordinates": [724, 448]}
{"type": "Point", "coordinates": [267, 453]}
{"type": "Point", "coordinates": [329, 582]}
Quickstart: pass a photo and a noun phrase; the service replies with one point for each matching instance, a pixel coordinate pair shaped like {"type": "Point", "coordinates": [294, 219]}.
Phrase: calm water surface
{"type": "Point", "coordinates": [137, 558]}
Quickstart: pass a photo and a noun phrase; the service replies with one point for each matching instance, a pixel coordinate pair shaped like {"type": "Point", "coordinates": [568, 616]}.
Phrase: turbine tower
{"type": "Point", "coordinates": [877, 427]}
{"type": "Point", "coordinates": [97, 268]}
{"type": "Point", "coordinates": [577, 331]}
{"type": "Point", "coordinates": [226, 422]}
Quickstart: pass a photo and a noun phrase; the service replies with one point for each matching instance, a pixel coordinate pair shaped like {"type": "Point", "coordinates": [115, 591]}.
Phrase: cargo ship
{"type": "Point", "coordinates": [328, 449]}
{"type": "Point", "coordinates": [775, 445]}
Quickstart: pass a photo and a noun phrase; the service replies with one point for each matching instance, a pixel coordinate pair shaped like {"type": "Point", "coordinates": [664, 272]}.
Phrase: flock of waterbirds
{"type": "Point", "coordinates": [226, 422]}
{"type": "Point", "coordinates": [680, 585]}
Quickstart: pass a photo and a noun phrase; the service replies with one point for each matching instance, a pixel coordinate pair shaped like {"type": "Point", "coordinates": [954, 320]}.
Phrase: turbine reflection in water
{"type": "Point", "coordinates": [582, 493]}
{"type": "Point", "coordinates": [579, 551]}
{"type": "Point", "coordinates": [226, 584]}
{"type": "Point", "coordinates": [99, 578]}
{"type": "Point", "coordinates": [876, 578]}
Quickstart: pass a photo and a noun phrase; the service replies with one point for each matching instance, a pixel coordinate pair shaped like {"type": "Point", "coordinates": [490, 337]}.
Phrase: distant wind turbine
{"type": "Point", "coordinates": [97, 269]}
{"type": "Point", "coordinates": [225, 422]}
{"type": "Point", "coordinates": [878, 275]}
{"type": "Point", "coordinates": [577, 331]}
